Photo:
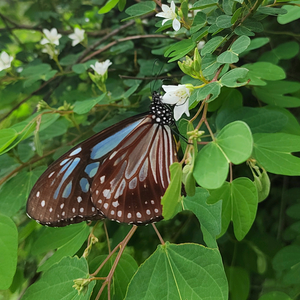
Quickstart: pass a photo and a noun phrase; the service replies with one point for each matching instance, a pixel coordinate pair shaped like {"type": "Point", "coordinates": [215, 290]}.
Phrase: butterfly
{"type": "Point", "coordinates": [120, 173]}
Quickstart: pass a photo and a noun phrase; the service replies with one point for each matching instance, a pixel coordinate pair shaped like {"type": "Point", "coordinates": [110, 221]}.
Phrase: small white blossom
{"type": "Point", "coordinates": [5, 60]}
{"type": "Point", "coordinates": [101, 67]}
{"type": "Point", "coordinates": [50, 50]}
{"type": "Point", "coordinates": [179, 95]}
{"type": "Point", "coordinates": [77, 36]}
{"type": "Point", "coordinates": [51, 37]}
{"type": "Point", "coordinates": [169, 14]}
{"type": "Point", "coordinates": [200, 45]}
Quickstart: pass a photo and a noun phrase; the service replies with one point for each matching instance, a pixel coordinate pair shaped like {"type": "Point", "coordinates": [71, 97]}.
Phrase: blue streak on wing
{"type": "Point", "coordinates": [84, 184]}
{"type": "Point", "coordinates": [65, 167]}
{"type": "Point", "coordinates": [92, 169]}
{"type": "Point", "coordinates": [72, 166]}
{"type": "Point", "coordinates": [112, 141]}
{"type": "Point", "coordinates": [67, 191]}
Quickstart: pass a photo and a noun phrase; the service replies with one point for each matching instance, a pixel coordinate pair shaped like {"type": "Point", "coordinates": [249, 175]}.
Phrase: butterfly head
{"type": "Point", "coordinates": [161, 113]}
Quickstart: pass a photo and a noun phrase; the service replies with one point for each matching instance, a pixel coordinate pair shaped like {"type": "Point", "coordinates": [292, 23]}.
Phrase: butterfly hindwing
{"type": "Point", "coordinates": [132, 180]}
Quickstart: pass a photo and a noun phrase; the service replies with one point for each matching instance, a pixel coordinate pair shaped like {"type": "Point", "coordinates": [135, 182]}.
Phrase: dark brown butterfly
{"type": "Point", "coordinates": [120, 173]}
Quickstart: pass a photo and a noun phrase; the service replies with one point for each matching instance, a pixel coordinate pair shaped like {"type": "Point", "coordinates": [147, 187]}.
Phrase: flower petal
{"type": "Point", "coordinates": [176, 25]}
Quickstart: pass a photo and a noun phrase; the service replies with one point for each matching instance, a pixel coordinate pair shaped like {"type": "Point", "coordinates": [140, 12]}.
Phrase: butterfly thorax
{"type": "Point", "coordinates": [161, 113]}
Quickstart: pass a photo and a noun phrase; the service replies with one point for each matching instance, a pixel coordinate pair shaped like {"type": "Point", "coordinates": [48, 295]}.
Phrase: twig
{"type": "Point", "coordinates": [158, 234]}
{"type": "Point", "coordinates": [109, 277]}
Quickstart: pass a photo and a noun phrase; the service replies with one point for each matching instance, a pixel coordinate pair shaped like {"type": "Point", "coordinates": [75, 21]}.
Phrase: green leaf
{"type": "Point", "coordinates": [58, 281]}
{"type": "Point", "coordinates": [213, 89]}
{"type": "Point", "coordinates": [73, 243]}
{"type": "Point", "coordinates": [232, 78]}
{"type": "Point", "coordinates": [239, 283]}
{"type": "Point", "coordinates": [199, 22]}
{"type": "Point", "coordinates": [125, 270]}
{"type": "Point", "coordinates": [287, 50]}
{"type": "Point", "coordinates": [258, 43]}
{"type": "Point", "coordinates": [293, 13]}
{"type": "Point", "coordinates": [287, 261]}
{"type": "Point", "coordinates": [228, 57]}
{"type": "Point", "coordinates": [8, 251]}
{"type": "Point", "coordinates": [223, 21]}
{"type": "Point", "coordinates": [83, 107]}
{"type": "Point", "coordinates": [209, 215]}
{"type": "Point", "coordinates": [239, 205]}
{"type": "Point", "coordinates": [24, 181]}
{"type": "Point", "coordinates": [263, 70]}
{"type": "Point", "coordinates": [184, 266]}
{"type": "Point", "coordinates": [275, 93]}
{"type": "Point", "coordinates": [7, 136]}
{"type": "Point", "coordinates": [109, 5]}
{"type": "Point", "coordinates": [271, 11]}
{"type": "Point", "coordinates": [204, 3]}
{"type": "Point", "coordinates": [212, 45]}
{"type": "Point", "coordinates": [273, 152]}
{"type": "Point", "coordinates": [275, 296]}
{"type": "Point", "coordinates": [240, 45]}
{"type": "Point", "coordinates": [37, 70]}
{"type": "Point", "coordinates": [259, 119]}
{"type": "Point", "coordinates": [140, 9]}
{"type": "Point", "coordinates": [171, 201]}
{"type": "Point", "coordinates": [211, 159]}
{"type": "Point", "coordinates": [180, 49]}
{"type": "Point", "coordinates": [236, 142]}
{"type": "Point", "coordinates": [210, 65]}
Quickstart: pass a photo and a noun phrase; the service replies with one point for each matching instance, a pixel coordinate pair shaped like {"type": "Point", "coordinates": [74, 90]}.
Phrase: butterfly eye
{"type": "Point", "coordinates": [120, 173]}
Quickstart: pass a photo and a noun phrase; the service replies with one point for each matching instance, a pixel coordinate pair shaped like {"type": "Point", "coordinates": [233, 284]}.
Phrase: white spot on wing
{"type": "Point", "coordinates": [129, 215]}
{"type": "Point", "coordinates": [43, 203]}
{"type": "Point", "coordinates": [81, 209]}
{"type": "Point", "coordinates": [62, 205]}
{"type": "Point", "coordinates": [79, 199]}
{"type": "Point", "coordinates": [107, 193]}
{"type": "Point", "coordinates": [148, 212]}
{"type": "Point", "coordinates": [119, 213]}
{"type": "Point", "coordinates": [156, 210]}
{"type": "Point", "coordinates": [105, 205]}
{"type": "Point", "coordinates": [50, 175]}
{"type": "Point", "coordinates": [38, 194]}
{"type": "Point", "coordinates": [115, 203]}
{"type": "Point", "coordinates": [102, 178]}
{"type": "Point", "coordinates": [138, 214]}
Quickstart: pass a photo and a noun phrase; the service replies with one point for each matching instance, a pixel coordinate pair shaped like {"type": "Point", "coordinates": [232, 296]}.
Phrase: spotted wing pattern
{"type": "Point", "coordinates": [62, 195]}
{"type": "Point", "coordinates": [132, 180]}
{"type": "Point", "coordinates": [120, 173]}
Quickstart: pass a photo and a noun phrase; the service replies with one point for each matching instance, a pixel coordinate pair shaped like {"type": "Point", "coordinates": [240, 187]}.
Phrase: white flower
{"type": "Point", "coordinates": [51, 37]}
{"type": "Point", "coordinates": [50, 50]}
{"type": "Point", "coordinates": [77, 36]}
{"type": "Point", "coordinates": [169, 14]}
{"type": "Point", "coordinates": [5, 60]}
{"type": "Point", "coordinates": [101, 67]}
{"type": "Point", "coordinates": [179, 95]}
{"type": "Point", "coordinates": [200, 45]}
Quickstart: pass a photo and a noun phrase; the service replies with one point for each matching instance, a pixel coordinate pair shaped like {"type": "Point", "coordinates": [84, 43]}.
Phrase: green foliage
{"type": "Point", "coordinates": [231, 210]}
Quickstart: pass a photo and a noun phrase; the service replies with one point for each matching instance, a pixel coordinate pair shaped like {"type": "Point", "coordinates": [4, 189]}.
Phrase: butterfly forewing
{"type": "Point", "coordinates": [132, 180]}
{"type": "Point", "coordinates": [61, 196]}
